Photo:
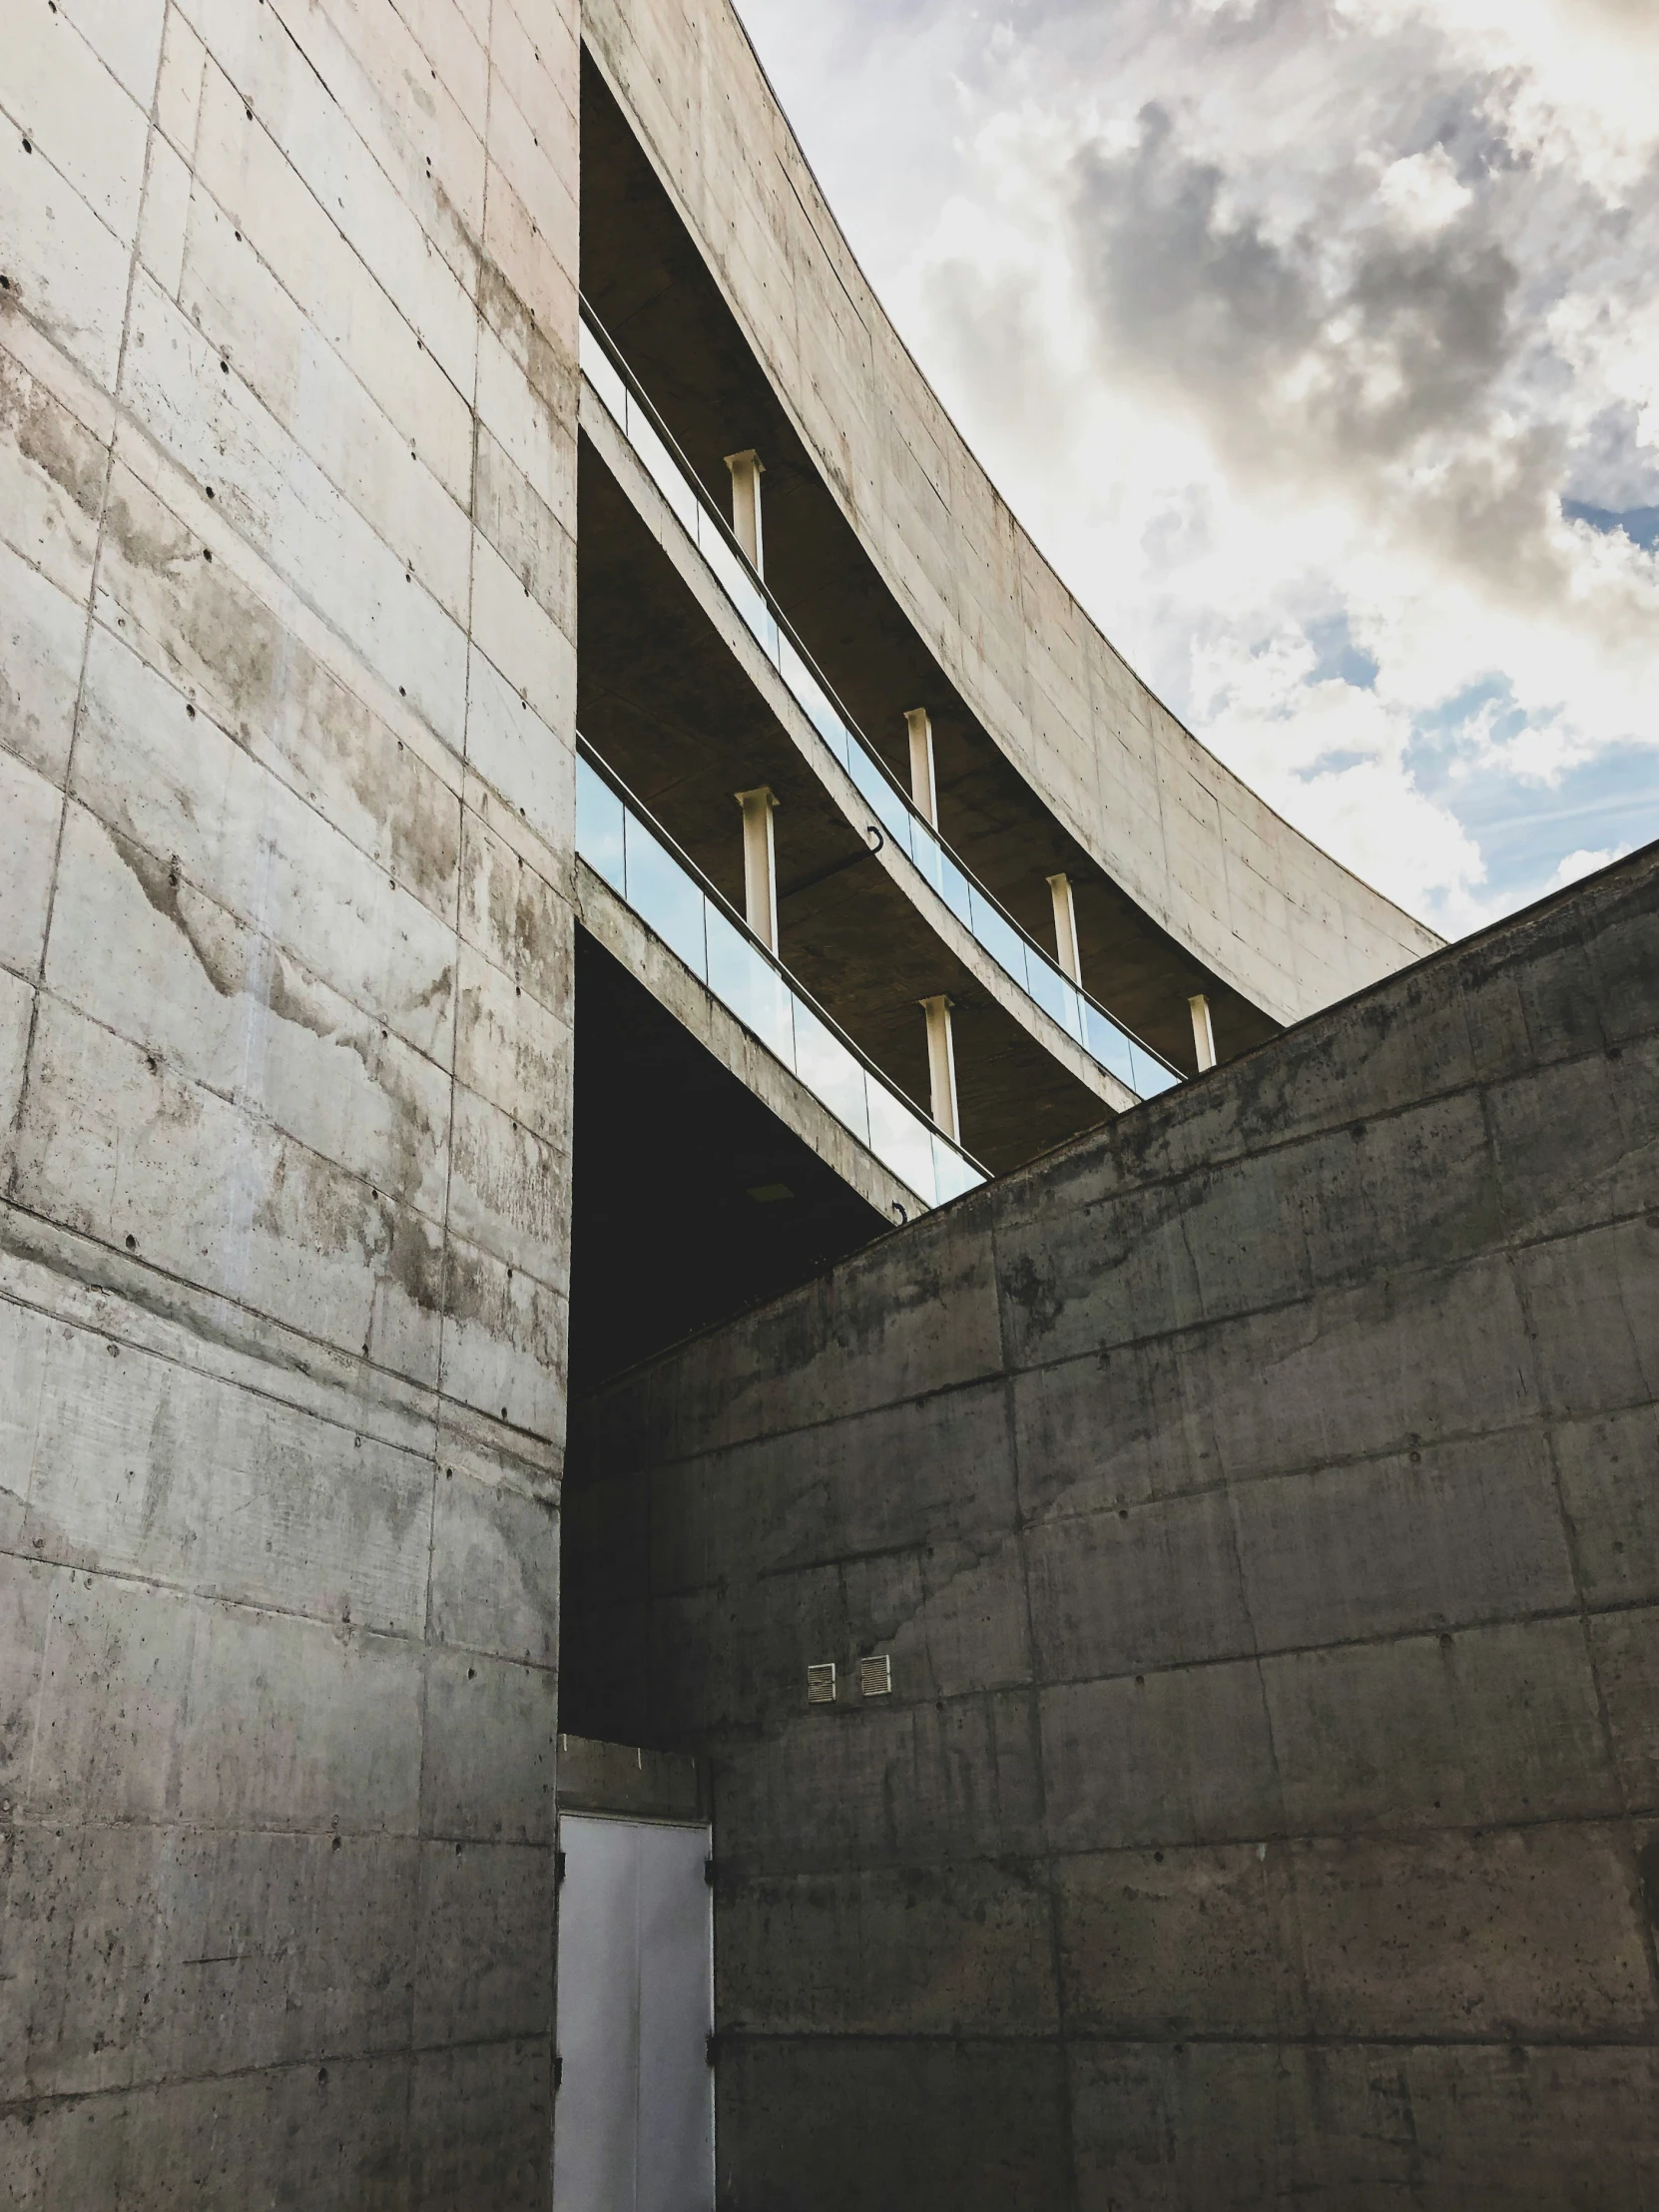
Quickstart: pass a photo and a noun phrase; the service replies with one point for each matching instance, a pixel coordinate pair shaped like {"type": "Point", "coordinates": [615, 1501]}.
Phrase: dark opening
{"type": "Point", "coordinates": [691, 1200]}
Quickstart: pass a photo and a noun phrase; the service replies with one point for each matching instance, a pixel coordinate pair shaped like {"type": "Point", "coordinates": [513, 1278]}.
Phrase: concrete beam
{"type": "Point", "coordinates": [759, 864]}
{"type": "Point", "coordinates": [1204, 1035]}
{"type": "Point", "coordinates": [923, 781]}
{"type": "Point", "coordinates": [942, 1067]}
{"type": "Point", "coordinates": [1066, 949]}
{"type": "Point", "coordinates": [747, 471]}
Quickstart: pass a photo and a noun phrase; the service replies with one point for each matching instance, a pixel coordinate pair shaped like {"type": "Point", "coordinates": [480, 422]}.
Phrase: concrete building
{"type": "Point", "coordinates": [801, 1247]}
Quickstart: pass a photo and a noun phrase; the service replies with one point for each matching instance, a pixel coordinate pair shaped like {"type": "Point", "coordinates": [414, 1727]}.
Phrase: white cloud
{"type": "Point", "coordinates": [1572, 866]}
{"type": "Point", "coordinates": [1288, 328]}
{"type": "Point", "coordinates": [1423, 191]}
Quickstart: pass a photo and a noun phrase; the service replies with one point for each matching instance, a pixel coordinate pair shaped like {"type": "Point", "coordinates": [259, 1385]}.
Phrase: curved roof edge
{"type": "Point", "coordinates": [1260, 904]}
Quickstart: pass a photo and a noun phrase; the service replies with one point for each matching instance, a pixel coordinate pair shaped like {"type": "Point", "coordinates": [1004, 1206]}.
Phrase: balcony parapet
{"type": "Point", "coordinates": [640, 862]}
{"type": "Point", "coordinates": [1072, 1025]}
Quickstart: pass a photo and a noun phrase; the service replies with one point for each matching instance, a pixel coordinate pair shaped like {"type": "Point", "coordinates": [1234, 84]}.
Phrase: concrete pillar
{"type": "Point", "coordinates": [1065, 928]}
{"type": "Point", "coordinates": [746, 507]}
{"type": "Point", "coordinates": [942, 1066]}
{"type": "Point", "coordinates": [760, 865]}
{"type": "Point", "coordinates": [1204, 1035]}
{"type": "Point", "coordinates": [923, 790]}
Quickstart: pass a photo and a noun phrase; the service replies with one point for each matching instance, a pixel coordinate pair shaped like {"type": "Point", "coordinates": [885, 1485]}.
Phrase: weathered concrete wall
{"type": "Point", "coordinates": [1256, 902]}
{"type": "Point", "coordinates": [287, 636]}
{"type": "Point", "coordinates": [1257, 1504]}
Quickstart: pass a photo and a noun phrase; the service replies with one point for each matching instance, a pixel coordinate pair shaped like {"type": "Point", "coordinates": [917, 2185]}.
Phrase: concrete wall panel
{"type": "Point", "coordinates": [284, 1233]}
{"type": "Point", "coordinates": [1289, 1762]}
{"type": "Point", "coordinates": [945, 2133]}
{"type": "Point", "coordinates": [947, 1951]}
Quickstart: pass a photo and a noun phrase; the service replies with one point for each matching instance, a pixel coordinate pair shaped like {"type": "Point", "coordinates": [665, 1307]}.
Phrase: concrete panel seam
{"type": "Point", "coordinates": [66, 1268]}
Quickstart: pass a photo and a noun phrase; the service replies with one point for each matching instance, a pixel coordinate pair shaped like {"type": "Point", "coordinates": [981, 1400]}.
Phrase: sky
{"type": "Point", "coordinates": [1316, 345]}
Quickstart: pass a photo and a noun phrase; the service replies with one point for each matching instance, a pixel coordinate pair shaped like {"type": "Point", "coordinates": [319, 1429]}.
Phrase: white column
{"type": "Point", "coordinates": [760, 865]}
{"type": "Point", "coordinates": [923, 790]}
{"type": "Point", "coordinates": [1204, 1035]}
{"type": "Point", "coordinates": [942, 1066]}
{"type": "Point", "coordinates": [1065, 928]}
{"type": "Point", "coordinates": [746, 507]}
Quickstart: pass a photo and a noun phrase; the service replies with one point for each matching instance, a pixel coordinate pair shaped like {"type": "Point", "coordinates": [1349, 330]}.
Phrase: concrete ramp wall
{"type": "Point", "coordinates": [1258, 1505]}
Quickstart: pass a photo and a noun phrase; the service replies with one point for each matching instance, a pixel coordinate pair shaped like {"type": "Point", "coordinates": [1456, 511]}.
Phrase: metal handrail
{"type": "Point", "coordinates": [712, 891]}
{"type": "Point", "coordinates": [711, 505]}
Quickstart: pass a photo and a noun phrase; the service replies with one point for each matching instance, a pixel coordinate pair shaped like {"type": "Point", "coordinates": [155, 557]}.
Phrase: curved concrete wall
{"type": "Point", "coordinates": [1265, 910]}
{"type": "Point", "coordinates": [699, 581]}
{"type": "Point", "coordinates": [288, 503]}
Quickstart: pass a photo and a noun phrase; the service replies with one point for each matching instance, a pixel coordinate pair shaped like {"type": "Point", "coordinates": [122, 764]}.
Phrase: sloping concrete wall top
{"type": "Point", "coordinates": [1255, 1504]}
{"type": "Point", "coordinates": [1262, 907]}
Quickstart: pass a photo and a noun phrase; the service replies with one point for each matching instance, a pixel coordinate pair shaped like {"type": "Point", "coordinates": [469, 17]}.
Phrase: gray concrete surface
{"type": "Point", "coordinates": [616, 926]}
{"type": "Point", "coordinates": [619, 1779]}
{"type": "Point", "coordinates": [967, 967]}
{"type": "Point", "coordinates": [287, 718]}
{"type": "Point", "coordinates": [1260, 907]}
{"type": "Point", "coordinates": [1256, 1503]}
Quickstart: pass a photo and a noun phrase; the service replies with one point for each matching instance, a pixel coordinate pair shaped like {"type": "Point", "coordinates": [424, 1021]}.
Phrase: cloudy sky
{"type": "Point", "coordinates": [1316, 342]}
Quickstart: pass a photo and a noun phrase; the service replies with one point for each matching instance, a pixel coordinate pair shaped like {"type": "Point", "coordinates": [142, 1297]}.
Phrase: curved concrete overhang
{"type": "Point", "coordinates": [613, 923]}
{"type": "Point", "coordinates": [670, 533]}
{"type": "Point", "coordinates": [1198, 853]}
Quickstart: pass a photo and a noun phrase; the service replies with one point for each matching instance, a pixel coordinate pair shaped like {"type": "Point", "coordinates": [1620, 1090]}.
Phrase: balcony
{"type": "Point", "coordinates": [1050, 1000]}
{"type": "Point", "coordinates": [634, 855]}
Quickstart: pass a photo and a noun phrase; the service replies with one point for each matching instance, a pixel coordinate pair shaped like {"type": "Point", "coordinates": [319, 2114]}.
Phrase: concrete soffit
{"type": "Point", "coordinates": [1397, 939]}
{"type": "Point", "coordinates": [632, 943]}
{"type": "Point", "coordinates": [666, 527]}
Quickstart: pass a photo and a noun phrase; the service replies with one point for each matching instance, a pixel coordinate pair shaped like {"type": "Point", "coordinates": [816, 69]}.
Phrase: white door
{"type": "Point", "coordinates": [635, 2128]}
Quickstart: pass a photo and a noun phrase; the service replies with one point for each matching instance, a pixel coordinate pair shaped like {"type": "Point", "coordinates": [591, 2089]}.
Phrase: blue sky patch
{"type": "Point", "coordinates": [1639, 524]}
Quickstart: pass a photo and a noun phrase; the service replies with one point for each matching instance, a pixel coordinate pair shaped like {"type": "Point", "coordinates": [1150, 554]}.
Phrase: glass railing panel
{"type": "Point", "coordinates": [956, 891]}
{"type": "Point", "coordinates": [830, 1072]}
{"type": "Point", "coordinates": [1107, 1043]}
{"type": "Point", "coordinates": [664, 896]}
{"type": "Point", "coordinates": [601, 372]}
{"type": "Point", "coordinates": [901, 1140]}
{"type": "Point", "coordinates": [744, 980]}
{"type": "Point", "coordinates": [952, 1174]}
{"type": "Point", "coordinates": [879, 795]}
{"type": "Point", "coordinates": [600, 816]}
{"type": "Point", "coordinates": [1047, 985]}
{"type": "Point", "coordinates": [1151, 1077]}
{"type": "Point", "coordinates": [737, 579]}
{"type": "Point", "coordinates": [998, 937]}
{"type": "Point", "coordinates": [663, 469]}
{"type": "Point", "coordinates": [813, 701]}
{"type": "Point", "coordinates": [928, 854]}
